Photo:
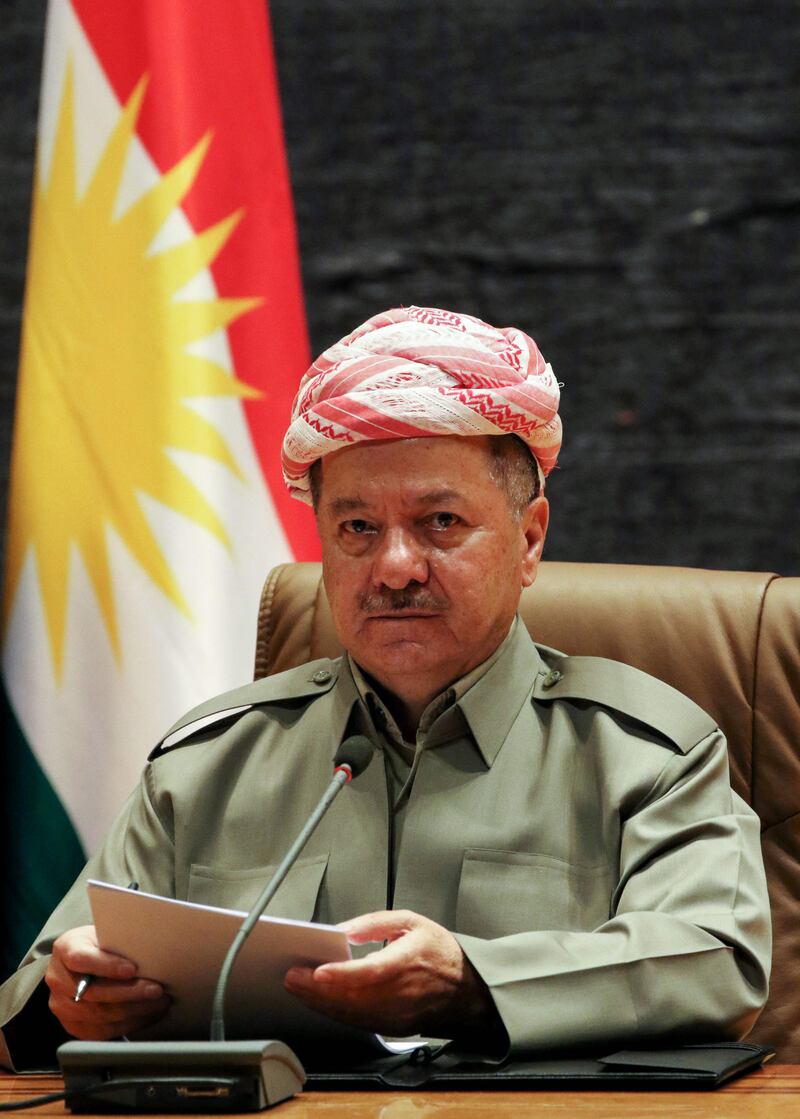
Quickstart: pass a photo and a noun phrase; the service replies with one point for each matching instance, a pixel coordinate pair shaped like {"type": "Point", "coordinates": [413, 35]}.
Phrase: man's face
{"type": "Point", "coordinates": [423, 562]}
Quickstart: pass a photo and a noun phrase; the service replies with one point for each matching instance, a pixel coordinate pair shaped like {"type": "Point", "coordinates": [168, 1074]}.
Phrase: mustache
{"type": "Point", "coordinates": [390, 601]}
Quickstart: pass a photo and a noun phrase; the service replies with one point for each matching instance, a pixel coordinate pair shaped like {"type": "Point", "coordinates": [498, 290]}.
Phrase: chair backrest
{"type": "Point", "coordinates": [730, 640]}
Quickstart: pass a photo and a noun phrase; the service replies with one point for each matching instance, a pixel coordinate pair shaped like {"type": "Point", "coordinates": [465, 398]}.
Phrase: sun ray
{"type": "Point", "coordinates": [174, 488]}
{"type": "Point", "coordinates": [106, 376]}
{"type": "Point", "coordinates": [201, 437]}
{"type": "Point", "coordinates": [52, 569]}
{"type": "Point", "coordinates": [133, 528]}
{"type": "Point", "coordinates": [192, 256]}
{"type": "Point", "coordinates": [208, 378]}
{"type": "Point", "coordinates": [191, 317]}
{"type": "Point", "coordinates": [151, 210]}
{"type": "Point", "coordinates": [95, 557]}
{"type": "Point", "coordinates": [101, 193]}
{"type": "Point", "coordinates": [62, 161]}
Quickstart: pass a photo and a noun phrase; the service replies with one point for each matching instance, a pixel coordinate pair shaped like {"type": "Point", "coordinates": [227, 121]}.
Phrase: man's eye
{"type": "Point", "coordinates": [357, 527]}
{"type": "Point", "coordinates": [444, 520]}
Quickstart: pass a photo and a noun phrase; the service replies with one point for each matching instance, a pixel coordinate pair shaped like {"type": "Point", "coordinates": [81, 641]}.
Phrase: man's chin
{"type": "Point", "coordinates": [405, 644]}
{"type": "Point", "coordinates": [385, 633]}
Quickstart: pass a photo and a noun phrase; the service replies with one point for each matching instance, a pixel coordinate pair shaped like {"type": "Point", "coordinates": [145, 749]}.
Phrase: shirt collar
{"type": "Point", "coordinates": [488, 698]}
{"type": "Point", "coordinates": [492, 704]}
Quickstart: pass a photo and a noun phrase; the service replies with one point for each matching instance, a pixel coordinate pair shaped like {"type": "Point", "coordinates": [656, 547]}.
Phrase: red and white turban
{"type": "Point", "coordinates": [420, 371]}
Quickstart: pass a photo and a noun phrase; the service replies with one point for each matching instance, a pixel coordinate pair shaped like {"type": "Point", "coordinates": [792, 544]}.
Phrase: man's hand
{"type": "Point", "coordinates": [420, 982]}
{"type": "Point", "coordinates": [115, 1003]}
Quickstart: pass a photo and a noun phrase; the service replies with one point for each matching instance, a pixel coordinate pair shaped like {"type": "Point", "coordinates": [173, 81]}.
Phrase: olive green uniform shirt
{"type": "Point", "coordinates": [570, 820]}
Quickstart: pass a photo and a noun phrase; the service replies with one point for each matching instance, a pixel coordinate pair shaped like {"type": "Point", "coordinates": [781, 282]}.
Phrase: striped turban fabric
{"type": "Point", "coordinates": [421, 371]}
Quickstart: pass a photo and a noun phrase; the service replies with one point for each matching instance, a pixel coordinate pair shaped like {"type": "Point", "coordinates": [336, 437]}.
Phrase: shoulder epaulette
{"type": "Point", "coordinates": [627, 690]}
{"type": "Point", "coordinates": [296, 684]}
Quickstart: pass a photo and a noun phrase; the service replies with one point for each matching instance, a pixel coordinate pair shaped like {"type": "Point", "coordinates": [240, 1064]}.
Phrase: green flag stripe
{"type": "Point", "coordinates": [41, 852]}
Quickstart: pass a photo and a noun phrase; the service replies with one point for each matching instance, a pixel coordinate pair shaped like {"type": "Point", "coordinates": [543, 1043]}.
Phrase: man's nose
{"type": "Point", "coordinates": [400, 560]}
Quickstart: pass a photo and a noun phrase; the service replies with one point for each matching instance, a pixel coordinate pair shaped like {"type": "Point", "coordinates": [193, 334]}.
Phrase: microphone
{"type": "Point", "coordinates": [204, 1076]}
{"type": "Point", "coordinates": [355, 753]}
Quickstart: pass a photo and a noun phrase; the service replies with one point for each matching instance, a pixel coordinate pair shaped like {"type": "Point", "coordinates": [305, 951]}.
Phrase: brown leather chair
{"type": "Point", "coordinates": [730, 640]}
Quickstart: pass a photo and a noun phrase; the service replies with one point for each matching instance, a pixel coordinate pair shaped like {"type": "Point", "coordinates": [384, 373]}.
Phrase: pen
{"type": "Point", "coordinates": [85, 980]}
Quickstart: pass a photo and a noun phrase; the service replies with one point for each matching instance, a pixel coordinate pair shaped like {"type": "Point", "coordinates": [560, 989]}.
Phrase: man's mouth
{"type": "Point", "coordinates": [400, 614]}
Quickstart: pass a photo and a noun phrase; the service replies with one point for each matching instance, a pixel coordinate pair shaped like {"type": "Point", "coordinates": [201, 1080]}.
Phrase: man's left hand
{"type": "Point", "coordinates": [420, 982]}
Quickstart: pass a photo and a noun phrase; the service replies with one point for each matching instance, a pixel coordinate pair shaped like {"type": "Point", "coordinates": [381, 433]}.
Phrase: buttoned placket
{"type": "Point", "coordinates": [402, 759]}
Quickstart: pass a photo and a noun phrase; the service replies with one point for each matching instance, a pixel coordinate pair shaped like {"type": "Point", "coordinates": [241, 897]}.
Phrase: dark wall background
{"type": "Point", "coordinates": [620, 179]}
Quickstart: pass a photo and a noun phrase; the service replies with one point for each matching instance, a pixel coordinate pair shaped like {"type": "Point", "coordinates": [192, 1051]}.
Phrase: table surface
{"type": "Point", "coordinates": [771, 1093]}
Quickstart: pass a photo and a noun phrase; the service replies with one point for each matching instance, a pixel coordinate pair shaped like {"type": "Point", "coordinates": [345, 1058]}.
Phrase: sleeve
{"type": "Point", "coordinates": [685, 954]}
{"type": "Point", "coordinates": [139, 847]}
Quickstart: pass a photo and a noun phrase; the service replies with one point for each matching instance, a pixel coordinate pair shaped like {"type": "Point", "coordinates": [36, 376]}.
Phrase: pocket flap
{"type": "Point", "coordinates": [505, 892]}
{"type": "Point", "coordinates": [296, 896]}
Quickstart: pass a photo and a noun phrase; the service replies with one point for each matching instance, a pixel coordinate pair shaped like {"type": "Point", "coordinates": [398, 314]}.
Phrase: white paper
{"type": "Point", "coordinates": [182, 945]}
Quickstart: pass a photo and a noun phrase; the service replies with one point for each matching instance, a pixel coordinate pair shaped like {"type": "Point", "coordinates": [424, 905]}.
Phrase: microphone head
{"type": "Point", "coordinates": [356, 753]}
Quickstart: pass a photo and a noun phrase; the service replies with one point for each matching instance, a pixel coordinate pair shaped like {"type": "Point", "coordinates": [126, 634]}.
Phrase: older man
{"type": "Point", "coordinates": [550, 850]}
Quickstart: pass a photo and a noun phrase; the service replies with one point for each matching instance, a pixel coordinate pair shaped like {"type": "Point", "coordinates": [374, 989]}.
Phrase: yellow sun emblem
{"type": "Point", "coordinates": [105, 374]}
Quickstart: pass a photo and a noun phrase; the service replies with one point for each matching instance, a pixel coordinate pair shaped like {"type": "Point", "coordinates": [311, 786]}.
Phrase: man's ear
{"type": "Point", "coordinates": [533, 527]}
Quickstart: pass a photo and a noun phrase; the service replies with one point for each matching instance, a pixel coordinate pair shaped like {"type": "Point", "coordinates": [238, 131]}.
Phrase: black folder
{"type": "Point", "coordinates": [690, 1068]}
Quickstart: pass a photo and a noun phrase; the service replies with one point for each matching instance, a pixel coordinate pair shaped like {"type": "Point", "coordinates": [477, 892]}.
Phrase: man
{"type": "Point", "coordinates": [551, 857]}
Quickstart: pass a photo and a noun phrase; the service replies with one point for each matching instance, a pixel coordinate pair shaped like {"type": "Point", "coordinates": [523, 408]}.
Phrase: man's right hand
{"type": "Point", "coordinates": [116, 1003]}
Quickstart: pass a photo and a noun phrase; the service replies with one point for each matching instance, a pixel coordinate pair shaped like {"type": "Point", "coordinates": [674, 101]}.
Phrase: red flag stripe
{"type": "Point", "coordinates": [211, 67]}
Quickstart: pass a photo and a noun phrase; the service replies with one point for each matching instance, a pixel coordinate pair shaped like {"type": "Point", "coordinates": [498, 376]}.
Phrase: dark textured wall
{"type": "Point", "coordinates": [620, 179]}
{"type": "Point", "coordinates": [21, 25]}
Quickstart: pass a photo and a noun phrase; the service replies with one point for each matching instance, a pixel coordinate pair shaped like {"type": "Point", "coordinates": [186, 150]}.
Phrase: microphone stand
{"type": "Point", "coordinates": [342, 775]}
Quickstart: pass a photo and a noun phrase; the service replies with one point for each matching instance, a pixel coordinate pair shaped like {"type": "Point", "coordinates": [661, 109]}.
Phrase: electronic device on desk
{"type": "Point", "coordinates": [172, 1076]}
{"type": "Point", "coordinates": [203, 1076]}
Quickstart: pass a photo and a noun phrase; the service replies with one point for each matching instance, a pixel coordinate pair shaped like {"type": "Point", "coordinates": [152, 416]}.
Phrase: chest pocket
{"type": "Point", "coordinates": [505, 892]}
{"type": "Point", "coordinates": [296, 896]}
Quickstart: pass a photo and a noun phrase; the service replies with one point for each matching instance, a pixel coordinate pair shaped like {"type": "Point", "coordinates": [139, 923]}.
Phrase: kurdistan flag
{"type": "Point", "coordinates": [163, 338]}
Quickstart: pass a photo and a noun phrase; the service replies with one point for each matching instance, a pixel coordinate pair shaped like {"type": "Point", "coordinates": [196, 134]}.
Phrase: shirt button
{"type": "Point", "coordinates": [552, 678]}
{"type": "Point", "coordinates": [321, 676]}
